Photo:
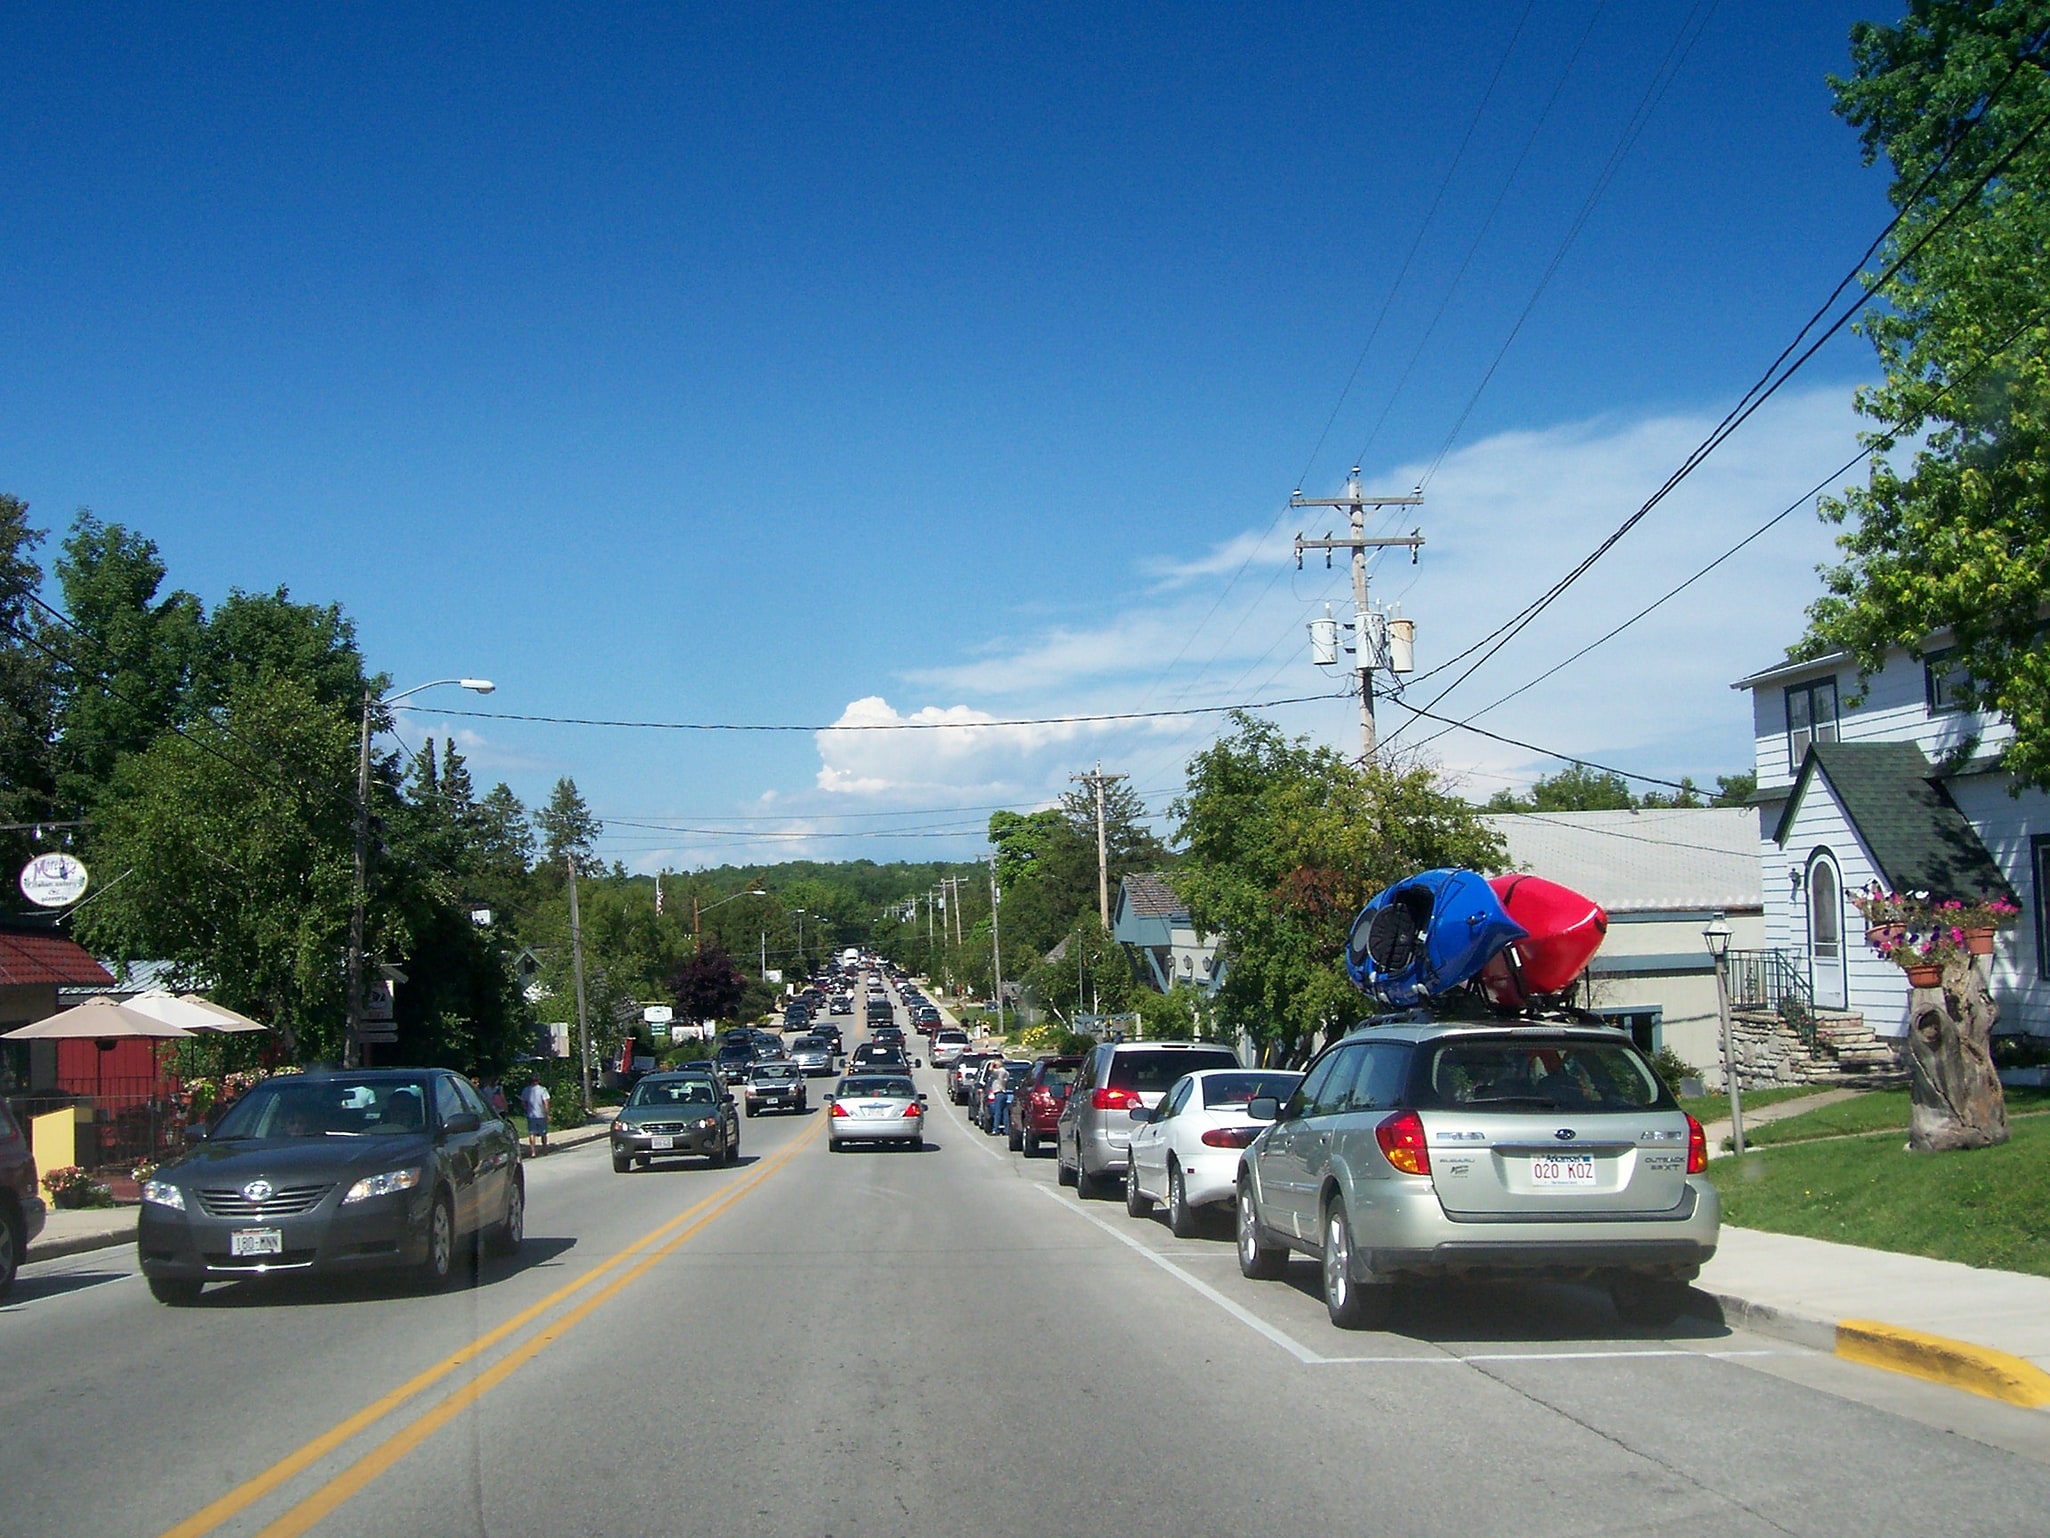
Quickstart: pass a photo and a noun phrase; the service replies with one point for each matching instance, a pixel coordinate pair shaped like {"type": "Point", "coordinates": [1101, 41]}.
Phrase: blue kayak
{"type": "Point", "coordinates": [1426, 935]}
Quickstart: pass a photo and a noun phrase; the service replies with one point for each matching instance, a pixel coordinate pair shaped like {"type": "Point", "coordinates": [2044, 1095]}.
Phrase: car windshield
{"type": "Point", "coordinates": [1015, 1072]}
{"type": "Point", "coordinates": [806, 1044]}
{"type": "Point", "coordinates": [337, 1106]}
{"type": "Point", "coordinates": [775, 1071]}
{"type": "Point", "coordinates": [1149, 1073]}
{"type": "Point", "coordinates": [672, 1092]}
{"type": "Point", "coordinates": [877, 1089]}
{"type": "Point", "coordinates": [1545, 1073]}
{"type": "Point", "coordinates": [1229, 1089]}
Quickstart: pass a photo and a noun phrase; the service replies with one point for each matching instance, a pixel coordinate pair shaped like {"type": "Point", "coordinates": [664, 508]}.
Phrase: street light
{"type": "Point", "coordinates": [1717, 938]}
{"type": "Point", "coordinates": [352, 1049]}
{"type": "Point", "coordinates": [697, 914]}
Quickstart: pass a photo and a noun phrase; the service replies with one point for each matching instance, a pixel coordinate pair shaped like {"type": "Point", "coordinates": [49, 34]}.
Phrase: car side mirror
{"type": "Point", "coordinates": [460, 1122]}
{"type": "Point", "coordinates": [1141, 1114]}
{"type": "Point", "coordinates": [827, 1099]}
{"type": "Point", "coordinates": [918, 1062]}
{"type": "Point", "coordinates": [195, 1132]}
{"type": "Point", "coordinates": [1263, 1108]}
{"type": "Point", "coordinates": [921, 1097]}
{"type": "Point", "coordinates": [727, 1099]}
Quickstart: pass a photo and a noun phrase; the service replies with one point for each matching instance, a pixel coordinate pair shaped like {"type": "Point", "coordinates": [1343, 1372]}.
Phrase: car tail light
{"type": "Point", "coordinates": [1401, 1138]}
{"type": "Point", "coordinates": [839, 1109]}
{"type": "Point", "coordinates": [914, 1110]}
{"type": "Point", "coordinates": [1230, 1137]}
{"type": "Point", "coordinates": [1697, 1147]}
{"type": "Point", "coordinates": [1115, 1099]}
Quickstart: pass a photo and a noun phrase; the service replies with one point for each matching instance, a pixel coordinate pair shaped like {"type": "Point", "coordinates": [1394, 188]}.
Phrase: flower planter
{"type": "Point", "coordinates": [1884, 937]}
{"type": "Point", "coordinates": [1980, 941]}
{"type": "Point", "coordinates": [1925, 975]}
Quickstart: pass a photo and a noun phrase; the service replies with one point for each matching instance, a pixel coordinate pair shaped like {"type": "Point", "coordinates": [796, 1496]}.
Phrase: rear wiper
{"type": "Point", "coordinates": [1494, 1100]}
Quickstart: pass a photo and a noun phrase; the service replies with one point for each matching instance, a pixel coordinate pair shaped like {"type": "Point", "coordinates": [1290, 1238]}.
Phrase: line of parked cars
{"type": "Point", "coordinates": [1417, 1149]}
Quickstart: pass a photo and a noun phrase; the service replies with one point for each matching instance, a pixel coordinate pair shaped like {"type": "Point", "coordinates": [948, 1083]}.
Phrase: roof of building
{"type": "Point", "coordinates": [1644, 861]}
{"type": "Point", "coordinates": [1791, 669]}
{"type": "Point", "coordinates": [1150, 896]}
{"type": "Point", "coordinates": [128, 980]}
{"type": "Point", "coordinates": [1917, 836]}
{"type": "Point", "coordinates": [40, 957]}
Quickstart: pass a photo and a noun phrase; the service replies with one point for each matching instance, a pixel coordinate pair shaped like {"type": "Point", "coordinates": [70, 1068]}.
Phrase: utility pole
{"type": "Point", "coordinates": [576, 951]}
{"type": "Point", "coordinates": [352, 1047]}
{"type": "Point", "coordinates": [1366, 629]}
{"type": "Point", "coordinates": [1097, 782]}
{"type": "Point", "coordinates": [996, 951]}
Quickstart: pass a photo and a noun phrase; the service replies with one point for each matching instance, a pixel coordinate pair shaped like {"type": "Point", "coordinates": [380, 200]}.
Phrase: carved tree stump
{"type": "Point", "coordinates": [1956, 1100]}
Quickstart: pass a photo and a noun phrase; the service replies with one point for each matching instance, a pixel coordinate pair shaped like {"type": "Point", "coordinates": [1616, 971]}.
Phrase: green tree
{"type": "Point", "coordinates": [27, 686]}
{"type": "Point", "coordinates": [568, 828]}
{"type": "Point", "coordinates": [708, 985]}
{"type": "Point", "coordinates": [1735, 789]}
{"type": "Point", "coordinates": [1285, 842]}
{"type": "Point", "coordinates": [1090, 973]}
{"type": "Point", "coordinates": [1960, 544]}
{"type": "Point", "coordinates": [249, 635]}
{"type": "Point", "coordinates": [1576, 788]}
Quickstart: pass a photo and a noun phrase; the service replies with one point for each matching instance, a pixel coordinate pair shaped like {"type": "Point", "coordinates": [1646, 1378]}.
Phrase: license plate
{"type": "Point", "coordinates": [257, 1241]}
{"type": "Point", "coordinates": [1554, 1170]}
{"type": "Point", "coordinates": [871, 1110]}
{"type": "Point", "coordinates": [660, 1143]}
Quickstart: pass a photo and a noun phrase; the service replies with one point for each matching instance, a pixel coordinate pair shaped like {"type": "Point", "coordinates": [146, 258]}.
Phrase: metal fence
{"type": "Point", "coordinates": [1774, 980]}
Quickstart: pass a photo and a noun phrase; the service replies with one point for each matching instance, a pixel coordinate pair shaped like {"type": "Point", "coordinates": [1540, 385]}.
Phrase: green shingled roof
{"type": "Point", "coordinates": [1917, 836]}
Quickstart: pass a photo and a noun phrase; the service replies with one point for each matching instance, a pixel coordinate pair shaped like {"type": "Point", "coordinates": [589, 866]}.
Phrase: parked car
{"type": "Point", "coordinates": [814, 1056]}
{"type": "Point", "coordinates": [967, 1068]}
{"type": "Point", "coordinates": [885, 1109]}
{"type": "Point", "coordinates": [948, 1043]}
{"type": "Point", "coordinates": [317, 1172]}
{"type": "Point", "coordinates": [778, 1086]}
{"type": "Point", "coordinates": [685, 1115]}
{"type": "Point", "coordinates": [22, 1210]}
{"type": "Point", "coordinates": [1092, 1140]}
{"type": "Point", "coordinates": [1036, 1102]}
{"type": "Point", "coordinates": [1419, 1149]}
{"type": "Point", "coordinates": [1185, 1151]}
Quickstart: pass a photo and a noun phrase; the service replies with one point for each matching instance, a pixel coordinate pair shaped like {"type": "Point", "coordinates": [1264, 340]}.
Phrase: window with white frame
{"type": "Point", "coordinates": [1942, 678]}
{"type": "Point", "coordinates": [1811, 717]}
{"type": "Point", "coordinates": [2039, 846]}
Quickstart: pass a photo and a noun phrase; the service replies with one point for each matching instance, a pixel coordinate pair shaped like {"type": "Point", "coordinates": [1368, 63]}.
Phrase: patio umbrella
{"type": "Point", "coordinates": [98, 1019]}
{"type": "Point", "coordinates": [190, 1013]}
{"type": "Point", "coordinates": [225, 1019]}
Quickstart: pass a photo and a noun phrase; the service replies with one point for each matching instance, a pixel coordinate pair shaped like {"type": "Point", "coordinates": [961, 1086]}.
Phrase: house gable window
{"type": "Point", "coordinates": [1811, 717]}
{"type": "Point", "coordinates": [1941, 680]}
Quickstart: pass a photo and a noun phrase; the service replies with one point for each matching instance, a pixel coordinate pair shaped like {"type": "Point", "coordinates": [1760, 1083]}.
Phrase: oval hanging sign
{"type": "Point", "coordinates": [53, 880]}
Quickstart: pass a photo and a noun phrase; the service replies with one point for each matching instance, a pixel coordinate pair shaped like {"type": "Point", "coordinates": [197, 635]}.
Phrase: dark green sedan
{"type": "Point", "coordinates": [675, 1116]}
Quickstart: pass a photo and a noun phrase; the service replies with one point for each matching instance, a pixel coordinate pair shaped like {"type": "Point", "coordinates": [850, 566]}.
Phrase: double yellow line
{"type": "Point", "coordinates": [316, 1507]}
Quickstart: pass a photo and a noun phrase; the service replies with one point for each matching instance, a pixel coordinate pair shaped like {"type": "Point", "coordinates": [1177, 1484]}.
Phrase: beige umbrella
{"type": "Point", "coordinates": [224, 1018]}
{"type": "Point", "coordinates": [99, 1019]}
{"type": "Point", "coordinates": [190, 1012]}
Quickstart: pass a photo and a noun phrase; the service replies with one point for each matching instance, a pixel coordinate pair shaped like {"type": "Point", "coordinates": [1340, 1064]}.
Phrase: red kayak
{"type": "Point", "coordinates": [1564, 931]}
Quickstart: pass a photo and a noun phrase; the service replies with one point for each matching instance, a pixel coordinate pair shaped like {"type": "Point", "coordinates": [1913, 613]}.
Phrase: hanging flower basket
{"type": "Point", "coordinates": [1924, 974]}
{"type": "Point", "coordinates": [1979, 940]}
{"type": "Point", "coordinates": [1886, 936]}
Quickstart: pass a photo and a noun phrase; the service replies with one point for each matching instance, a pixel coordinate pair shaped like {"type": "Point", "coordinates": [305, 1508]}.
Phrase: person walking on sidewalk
{"type": "Point", "coordinates": [535, 1099]}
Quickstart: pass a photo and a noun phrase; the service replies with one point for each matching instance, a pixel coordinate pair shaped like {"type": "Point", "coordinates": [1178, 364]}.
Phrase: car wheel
{"type": "Point", "coordinates": [1137, 1203]}
{"type": "Point", "coordinates": [1017, 1138]}
{"type": "Point", "coordinates": [11, 1248]}
{"type": "Point", "coordinates": [440, 1263]}
{"type": "Point", "coordinates": [622, 1164]}
{"type": "Point", "coordinates": [1087, 1186]}
{"type": "Point", "coordinates": [1061, 1171]}
{"type": "Point", "coordinates": [175, 1292]}
{"type": "Point", "coordinates": [512, 1232]}
{"type": "Point", "coordinates": [1351, 1306]}
{"type": "Point", "coordinates": [1181, 1217]}
{"type": "Point", "coordinates": [1028, 1145]}
{"type": "Point", "coordinates": [733, 1150]}
{"type": "Point", "coordinates": [748, 1109]}
{"type": "Point", "coordinates": [1651, 1301]}
{"type": "Point", "coordinates": [1261, 1262]}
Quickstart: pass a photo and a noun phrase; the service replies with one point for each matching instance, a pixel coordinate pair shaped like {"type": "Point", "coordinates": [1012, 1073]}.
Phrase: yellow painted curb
{"type": "Point", "coordinates": [1955, 1363]}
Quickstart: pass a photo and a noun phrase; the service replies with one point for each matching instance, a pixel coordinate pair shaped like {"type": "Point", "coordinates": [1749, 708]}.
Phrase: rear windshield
{"type": "Point", "coordinates": [893, 1089]}
{"type": "Point", "coordinates": [1151, 1072]}
{"type": "Point", "coordinates": [1555, 1074]}
{"type": "Point", "coordinates": [1241, 1088]}
{"type": "Point", "coordinates": [951, 1037]}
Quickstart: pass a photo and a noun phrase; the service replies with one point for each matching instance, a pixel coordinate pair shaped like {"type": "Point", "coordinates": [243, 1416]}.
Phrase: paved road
{"type": "Point", "coordinates": [937, 1343]}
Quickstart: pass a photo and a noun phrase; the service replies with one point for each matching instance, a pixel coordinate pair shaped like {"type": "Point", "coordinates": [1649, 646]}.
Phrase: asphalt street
{"type": "Point", "coordinates": [938, 1342]}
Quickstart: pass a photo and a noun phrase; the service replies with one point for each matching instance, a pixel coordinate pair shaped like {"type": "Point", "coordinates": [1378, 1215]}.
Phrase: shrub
{"type": "Point", "coordinates": [1672, 1068]}
{"type": "Point", "coordinates": [72, 1187]}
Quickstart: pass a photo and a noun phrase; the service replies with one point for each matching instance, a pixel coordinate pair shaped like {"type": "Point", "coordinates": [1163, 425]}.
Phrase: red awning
{"type": "Point", "coordinates": [32, 959]}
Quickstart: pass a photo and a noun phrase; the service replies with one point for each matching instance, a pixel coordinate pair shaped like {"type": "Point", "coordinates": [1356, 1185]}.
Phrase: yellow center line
{"type": "Point", "coordinates": [252, 1490]}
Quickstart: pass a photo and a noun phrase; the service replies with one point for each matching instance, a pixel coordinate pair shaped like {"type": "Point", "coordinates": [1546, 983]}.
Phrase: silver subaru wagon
{"type": "Point", "coordinates": [1416, 1149]}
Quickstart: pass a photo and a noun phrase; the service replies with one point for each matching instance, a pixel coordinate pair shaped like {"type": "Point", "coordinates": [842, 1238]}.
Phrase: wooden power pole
{"type": "Point", "coordinates": [1096, 782]}
{"type": "Point", "coordinates": [1366, 633]}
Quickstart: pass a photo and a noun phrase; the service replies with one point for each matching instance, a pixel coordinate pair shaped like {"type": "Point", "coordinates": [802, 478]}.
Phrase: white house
{"type": "Point", "coordinates": [1891, 781]}
{"type": "Point", "coordinates": [1661, 874]}
{"type": "Point", "coordinates": [1155, 923]}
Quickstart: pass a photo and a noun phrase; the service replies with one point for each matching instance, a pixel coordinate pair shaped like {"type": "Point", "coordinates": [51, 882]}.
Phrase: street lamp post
{"type": "Point", "coordinates": [352, 1048]}
{"type": "Point", "coordinates": [1717, 938]}
{"type": "Point", "coordinates": [697, 914]}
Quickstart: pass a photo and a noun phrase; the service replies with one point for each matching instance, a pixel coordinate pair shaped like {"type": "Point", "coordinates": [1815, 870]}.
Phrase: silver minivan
{"type": "Point", "coordinates": [1418, 1149]}
{"type": "Point", "coordinates": [1093, 1138]}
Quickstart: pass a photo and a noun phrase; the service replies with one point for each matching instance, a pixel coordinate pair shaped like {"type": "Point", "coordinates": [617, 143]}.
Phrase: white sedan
{"type": "Point", "coordinates": [1185, 1151]}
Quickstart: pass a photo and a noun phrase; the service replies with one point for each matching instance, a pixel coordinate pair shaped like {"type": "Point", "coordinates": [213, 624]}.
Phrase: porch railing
{"type": "Point", "coordinates": [1775, 980]}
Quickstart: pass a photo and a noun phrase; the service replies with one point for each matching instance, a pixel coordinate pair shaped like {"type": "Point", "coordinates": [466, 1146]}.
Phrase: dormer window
{"type": "Point", "coordinates": [1811, 717]}
{"type": "Point", "coordinates": [1942, 679]}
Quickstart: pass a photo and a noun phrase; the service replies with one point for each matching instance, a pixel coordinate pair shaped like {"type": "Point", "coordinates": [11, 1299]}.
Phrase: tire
{"type": "Point", "coordinates": [622, 1165]}
{"type": "Point", "coordinates": [1260, 1262]}
{"type": "Point", "coordinates": [511, 1231]}
{"type": "Point", "coordinates": [1137, 1203]}
{"type": "Point", "coordinates": [748, 1109]}
{"type": "Point", "coordinates": [1350, 1305]}
{"type": "Point", "coordinates": [440, 1263]}
{"type": "Point", "coordinates": [1061, 1171]}
{"type": "Point", "coordinates": [12, 1248]}
{"type": "Point", "coordinates": [1089, 1187]}
{"type": "Point", "coordinates": [1028, 1145]}
{"type": "Point", "coordinates": [1182, 1221]}
{"type": "Point", "coordinates": [733, 1151]}
{"type": "Point", "coordinates": [1653, 1302]}
{"type": "Point", "coordinates": [174, 1292]}
{"type": "Point", "coordinates": [1017, 1139]}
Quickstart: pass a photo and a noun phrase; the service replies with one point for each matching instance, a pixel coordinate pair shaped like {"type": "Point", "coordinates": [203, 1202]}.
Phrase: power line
{"type": "Point", "coordinates": [1531, 747]}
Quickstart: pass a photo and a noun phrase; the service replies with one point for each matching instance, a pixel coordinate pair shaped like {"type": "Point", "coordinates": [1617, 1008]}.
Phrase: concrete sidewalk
{"type": "Point", "coordinates": [1984, 1331]}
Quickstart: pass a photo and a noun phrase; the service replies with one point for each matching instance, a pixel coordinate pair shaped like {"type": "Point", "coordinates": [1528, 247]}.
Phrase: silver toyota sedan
{"type": "Point", "coordinates": [887, 1110]}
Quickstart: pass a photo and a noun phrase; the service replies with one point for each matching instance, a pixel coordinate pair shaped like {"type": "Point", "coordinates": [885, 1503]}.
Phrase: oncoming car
{"type": "Point", "coordinates": [1418, 1149]}
{"type": "Point", "coordinates": [884, 1109]}
{"type": "Point", "coordinates": [378, 1169]}
{"type": "Point", "coordinates": [684, 1115]}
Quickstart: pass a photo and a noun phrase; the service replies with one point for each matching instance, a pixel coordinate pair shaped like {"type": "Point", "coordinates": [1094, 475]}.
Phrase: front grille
{"type": "Point", "coordinates": [285, 1202]}
{"type": "Point", "coordinates": [664, 1128]}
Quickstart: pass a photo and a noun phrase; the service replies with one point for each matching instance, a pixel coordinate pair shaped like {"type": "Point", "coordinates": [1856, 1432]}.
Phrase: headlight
{"type": "Point", "coordinates": [705, 1123]}
{"type": "Point", "coordinates": [622, 1126]}
{"type": "Point", "coordinates": [381, 1185]}
{"type": "Point", "coordinates": [163, 1194]}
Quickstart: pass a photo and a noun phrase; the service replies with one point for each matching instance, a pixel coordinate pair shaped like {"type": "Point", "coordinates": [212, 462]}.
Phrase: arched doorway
{"type": "Point", "coordinates": [1826, 960]}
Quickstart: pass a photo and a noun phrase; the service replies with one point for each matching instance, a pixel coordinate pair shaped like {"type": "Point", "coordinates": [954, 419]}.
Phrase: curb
{"type": "Point", "coordinates": [1955, 1364]}
{"type": "Point", "coordinates": [77, 1244]}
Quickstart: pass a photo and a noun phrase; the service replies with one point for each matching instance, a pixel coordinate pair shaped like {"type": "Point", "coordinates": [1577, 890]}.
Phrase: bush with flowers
{"type": "Point", "coordinates": [1914, 933]}
{"type": "Point", "coordinates": [72, 1187]}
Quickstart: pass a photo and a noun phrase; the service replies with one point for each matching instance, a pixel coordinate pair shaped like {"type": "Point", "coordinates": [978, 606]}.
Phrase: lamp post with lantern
{"type": "Point", "coordinates": [1717, 938]}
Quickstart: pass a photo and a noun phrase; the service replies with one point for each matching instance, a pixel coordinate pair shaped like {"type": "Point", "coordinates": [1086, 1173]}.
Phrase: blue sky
{"type": "Point", "coordinates": [805, 364]}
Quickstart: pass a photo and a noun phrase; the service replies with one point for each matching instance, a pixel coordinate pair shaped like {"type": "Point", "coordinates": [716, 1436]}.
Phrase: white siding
{"type": "Point", "coordinates": [2005, 824]}
{"type": "Point", "coordinates": [1874, 987]}
{"type": "Point", "coordinates": [1895, 709]}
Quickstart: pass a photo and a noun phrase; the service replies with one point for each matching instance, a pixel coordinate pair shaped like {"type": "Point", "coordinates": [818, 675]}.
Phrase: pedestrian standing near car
{"type": "Point", "coordinates": [535, 1099]}
{"type": "Point", "coordinates": [1000, 1101]}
